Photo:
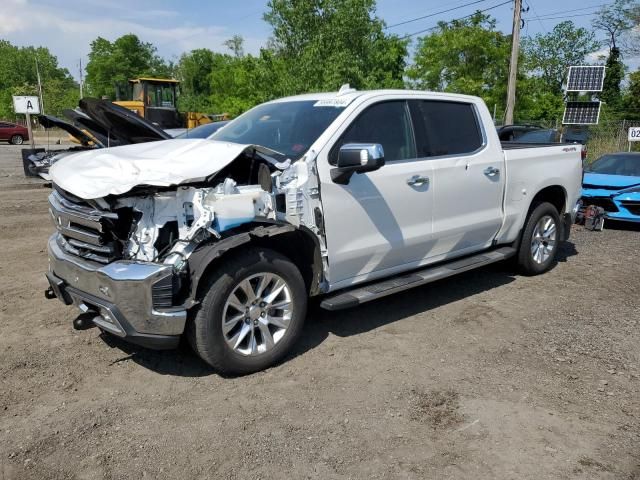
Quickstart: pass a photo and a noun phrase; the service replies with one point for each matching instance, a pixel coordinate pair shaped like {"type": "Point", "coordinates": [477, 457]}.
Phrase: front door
{"type": "Point", "coordinates": [380, 221]}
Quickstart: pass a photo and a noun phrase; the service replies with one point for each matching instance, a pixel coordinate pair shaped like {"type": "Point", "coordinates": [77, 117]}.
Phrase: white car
{"type": "Point", "coordinates": [350, 196]}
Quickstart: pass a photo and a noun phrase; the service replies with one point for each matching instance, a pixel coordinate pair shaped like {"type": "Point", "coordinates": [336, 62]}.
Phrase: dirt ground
{"type": "Point", "coordinates": [484, 376]}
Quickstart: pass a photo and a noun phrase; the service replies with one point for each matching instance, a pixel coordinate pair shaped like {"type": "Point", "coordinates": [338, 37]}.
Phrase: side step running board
{"type": "Point", "coordinates": [406, 281]}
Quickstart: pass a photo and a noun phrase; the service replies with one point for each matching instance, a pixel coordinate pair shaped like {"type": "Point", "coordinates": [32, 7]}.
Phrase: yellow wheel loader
{"type": "Point", "coordinates": [155, 99]}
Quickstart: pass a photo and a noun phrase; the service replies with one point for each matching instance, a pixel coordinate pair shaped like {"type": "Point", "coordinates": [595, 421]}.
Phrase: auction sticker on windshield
{"type": "Point", "coordinates": [333, 102]}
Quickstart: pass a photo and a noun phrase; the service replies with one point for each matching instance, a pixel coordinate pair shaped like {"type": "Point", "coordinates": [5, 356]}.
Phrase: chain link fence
{"type": "Point", "coordinates": [609, 137]}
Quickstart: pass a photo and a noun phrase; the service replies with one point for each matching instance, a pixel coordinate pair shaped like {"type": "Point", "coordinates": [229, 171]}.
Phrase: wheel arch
{"type": "Point", "coordinates": [298, 244]}
{"type": "Point", "coordinates": [556, 195]}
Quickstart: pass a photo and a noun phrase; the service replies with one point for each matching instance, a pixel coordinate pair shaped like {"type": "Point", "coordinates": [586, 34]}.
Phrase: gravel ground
{"type": "Point", "coordinates": [484, 376]}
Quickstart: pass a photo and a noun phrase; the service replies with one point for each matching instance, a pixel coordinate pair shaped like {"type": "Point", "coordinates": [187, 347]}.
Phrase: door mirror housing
{"type": "Point", "coordinates": [357, 158]}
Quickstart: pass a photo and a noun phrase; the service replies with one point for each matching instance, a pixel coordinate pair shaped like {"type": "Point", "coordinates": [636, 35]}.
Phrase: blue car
{"type": "Point", "coordinates": [613, 183]}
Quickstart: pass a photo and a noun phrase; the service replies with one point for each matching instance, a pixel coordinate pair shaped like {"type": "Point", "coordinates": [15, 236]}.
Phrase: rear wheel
{"type": "Point", "coordinates": [540, 239]}
{"type": "Point", "coordinates": [17, 140]}
{"type": "Point", "coordinates": [251, 314]}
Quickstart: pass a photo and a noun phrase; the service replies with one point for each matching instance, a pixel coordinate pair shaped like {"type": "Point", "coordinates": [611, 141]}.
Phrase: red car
{"type": "Point", "coordinates": [12, 133]}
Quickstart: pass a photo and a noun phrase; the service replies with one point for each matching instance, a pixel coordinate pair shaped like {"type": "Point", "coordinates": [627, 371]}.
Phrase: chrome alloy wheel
{"type": "Point", "coordinates": [257, 314]}
{"type": "Point", "coordinates": [543, 241]}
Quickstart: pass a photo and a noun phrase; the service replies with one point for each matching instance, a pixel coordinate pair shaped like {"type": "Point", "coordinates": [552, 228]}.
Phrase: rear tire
{"type": "Point", "coordinates": [17, 140]}
{"type": "Point", "coordinates": [540, 239]}
{"type": "Point", "coordinates": [252, 312]}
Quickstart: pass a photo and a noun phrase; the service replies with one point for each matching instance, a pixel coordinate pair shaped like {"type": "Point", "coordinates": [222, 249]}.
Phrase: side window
{"type": "Point", "coordinates": [386, 123]}
{"type": "Point", "coordinates": [445, 128]}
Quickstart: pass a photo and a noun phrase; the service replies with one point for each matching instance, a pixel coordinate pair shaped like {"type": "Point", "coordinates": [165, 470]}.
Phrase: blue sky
{"type": "Point", "coordinates": [68, 26]}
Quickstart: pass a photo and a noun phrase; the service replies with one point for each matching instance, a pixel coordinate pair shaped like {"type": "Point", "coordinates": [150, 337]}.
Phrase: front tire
{"type": "Point", "coordinates": [17, 140]}
{"type": "Point", "coordinates": [540, 239]}
{"type": "Point", "coordinates": [252, 312]}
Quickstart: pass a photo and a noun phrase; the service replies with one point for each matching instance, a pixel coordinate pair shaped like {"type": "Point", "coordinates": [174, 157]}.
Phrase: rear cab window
{"type": "Point", "coordinates": [445, 128]}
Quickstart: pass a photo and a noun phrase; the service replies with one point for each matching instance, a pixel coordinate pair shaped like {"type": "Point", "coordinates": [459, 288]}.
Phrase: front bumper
{"type": "Point", "coordinates": [623, 207]}
{"type": "Point", "coordinates": [121, 294]}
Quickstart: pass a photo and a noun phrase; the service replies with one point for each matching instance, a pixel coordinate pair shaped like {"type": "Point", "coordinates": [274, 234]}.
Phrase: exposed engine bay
{"type": "Point", "coordinates": [166, 224]}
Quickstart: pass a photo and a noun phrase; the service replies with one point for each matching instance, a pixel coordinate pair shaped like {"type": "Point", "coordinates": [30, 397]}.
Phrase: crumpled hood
{"type": "Point", "coordinates": [594, 180]}
{"type": "Point", "coordinates": [49, 121]}
{"type": "Point", "coordinates": [114, 171]}
{"type": "Point", "coordinates": [127, 126]}
{"type": "Point", "coordinates": [84, 122]}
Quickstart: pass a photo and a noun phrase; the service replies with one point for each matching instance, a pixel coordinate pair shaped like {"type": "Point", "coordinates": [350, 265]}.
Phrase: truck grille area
{"type": "Point", "coordinates": [162, 293]}
{"type": "Point", "coordinates": [85, 230]}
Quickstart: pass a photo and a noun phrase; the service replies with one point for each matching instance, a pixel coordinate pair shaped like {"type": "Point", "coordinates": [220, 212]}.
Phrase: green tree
{"type": "Point", "coordinates": [535, 103]}
{"type": "Point", "coordinates": [18, 76]}
{"type": "Point", "coordinates": [611, 91]}
{"type": "Point", "coordinates": [616, 19]}
{"type": "Point", "coordinates": [326, 43]}
{"type": "Point", "coordinates": [631, 100]}
{"type": "Point", "coordinates": [112, 63]}
{"type": "Point", "coordinates": [236, 45]}
{"type": "Point", "coordinates": [465, 56]}
{"type": "Point", "coordinates": [238, 84]}
{"type": "Point", "coordinates": [550, 55]}
{"type": "Point", "coordinates": [194, 70]}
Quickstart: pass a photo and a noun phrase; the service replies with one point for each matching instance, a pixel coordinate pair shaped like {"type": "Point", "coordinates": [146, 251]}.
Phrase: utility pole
{"type": "Point", "coordinates": [80, 72]}
{"type": "Point", "coordinates": [39, 88]}
{"type": "Point", "coordinates": [513, 65]}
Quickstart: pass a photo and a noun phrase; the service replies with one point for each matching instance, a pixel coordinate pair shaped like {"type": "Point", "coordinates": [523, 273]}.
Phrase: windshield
{"type": "Point", "coordinates": [203, 131]}
{"type": "Point", "coordinates": [286, 127]}
{"type": "Point", "coordinates": [625, 164]}
{"type": "Point", "coordinates": [159, 95]}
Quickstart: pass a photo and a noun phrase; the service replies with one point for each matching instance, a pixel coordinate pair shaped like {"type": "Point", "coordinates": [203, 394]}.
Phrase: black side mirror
{"type": "Point", "coordinates": [357, 158]}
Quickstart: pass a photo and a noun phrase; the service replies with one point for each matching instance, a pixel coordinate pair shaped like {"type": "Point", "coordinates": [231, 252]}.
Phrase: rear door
{"type": "Point", "coordinates": [468, 176]}
{"type": "Point", "coordinates": [379, 222]}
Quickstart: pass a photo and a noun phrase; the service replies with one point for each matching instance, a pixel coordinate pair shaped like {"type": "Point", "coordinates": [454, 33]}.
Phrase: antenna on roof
{"type": "Point", "coordinates": [344, 89]}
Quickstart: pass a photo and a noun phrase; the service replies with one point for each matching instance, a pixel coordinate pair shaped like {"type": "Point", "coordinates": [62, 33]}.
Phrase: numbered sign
{"type": "Point", "coordinates": [29, 105]}
{"type": "Point", "coordinates": [634, 134]}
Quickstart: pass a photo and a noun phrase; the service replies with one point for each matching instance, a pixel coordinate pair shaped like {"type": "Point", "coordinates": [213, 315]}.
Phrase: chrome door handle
{"type": "Point", "coordinates": [418, 181]}
{"type": "Point", "coordinates": [491, 171]}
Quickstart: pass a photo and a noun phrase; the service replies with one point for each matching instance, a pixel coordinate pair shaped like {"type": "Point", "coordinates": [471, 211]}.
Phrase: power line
{"type": "Point", "coordinates": [580, 15]}
{"type": "Point", "coordinates": [411, 20]}
{"type": "Point", "coordinates": [572, 10]}
{"type": "Point", "coordinates": [535, 14]}
{"type": "Point", "coordinates": [549, 15]}
{"type": "Point", "coordinates": [457, 19]}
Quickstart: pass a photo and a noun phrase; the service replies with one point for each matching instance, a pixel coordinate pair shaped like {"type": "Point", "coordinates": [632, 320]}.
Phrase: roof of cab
{"type": "Point", "coordinates": [349, 94]}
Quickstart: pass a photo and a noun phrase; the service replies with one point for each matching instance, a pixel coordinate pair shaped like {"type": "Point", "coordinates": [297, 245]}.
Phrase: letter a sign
{"type": "Point", "coordinates": [29, 105]}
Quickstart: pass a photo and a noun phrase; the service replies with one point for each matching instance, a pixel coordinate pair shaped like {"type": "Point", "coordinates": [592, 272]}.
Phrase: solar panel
{"type": "Point", "coordinates": [585, 79]}
{"type": "Point", "coordinates": [581, 113]}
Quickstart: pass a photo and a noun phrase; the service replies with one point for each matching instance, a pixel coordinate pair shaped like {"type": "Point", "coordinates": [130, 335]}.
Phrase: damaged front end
{"type": "Point", "coordinates": [132, 261]}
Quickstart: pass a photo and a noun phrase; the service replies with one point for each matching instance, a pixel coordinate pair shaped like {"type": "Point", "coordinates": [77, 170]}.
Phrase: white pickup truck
{"type": "Point", "coordinates": [352, 196]}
